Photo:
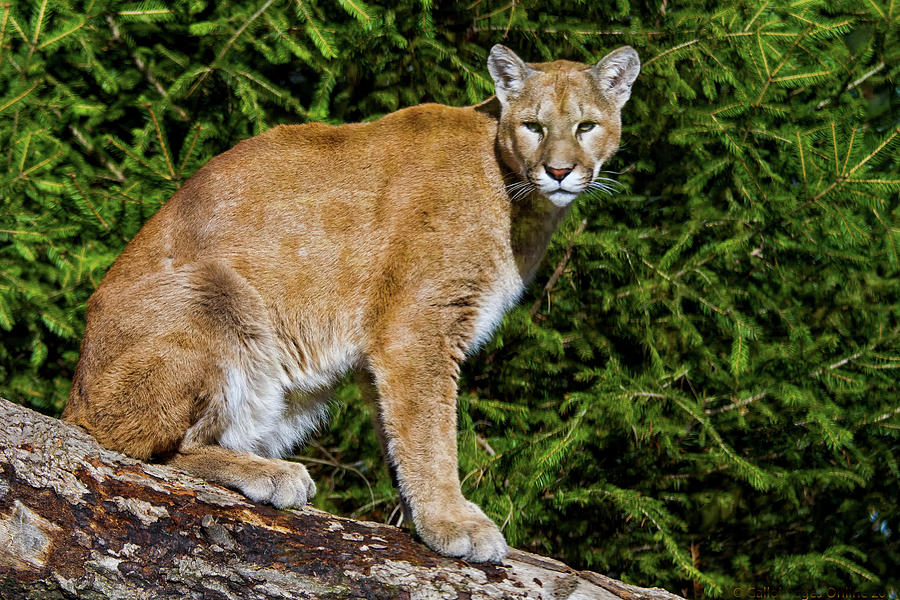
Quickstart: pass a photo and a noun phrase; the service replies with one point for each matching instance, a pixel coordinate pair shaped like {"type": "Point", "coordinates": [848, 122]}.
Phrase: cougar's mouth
{"type": "Point", "coordinates": [559, 186]}
{"type": "Point", "coordinates": [561, 193]}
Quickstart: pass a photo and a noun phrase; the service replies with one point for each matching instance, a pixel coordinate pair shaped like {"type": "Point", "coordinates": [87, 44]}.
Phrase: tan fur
{"type": "Point", "coordinates": [391, 247]}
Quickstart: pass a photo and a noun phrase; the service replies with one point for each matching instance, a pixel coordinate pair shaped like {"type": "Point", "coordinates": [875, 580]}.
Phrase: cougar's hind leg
{"type": "Point", "coordinates": [143, 402]}
{"type": "Point", "coordinates": [193, 368]}
{"type": "Point", "coordinates": [142, 366]}
{"type": "Point", "coordinates": [244, 412]}
{"type": "Point", "coordinates": [278, 482]}
{"type": "Point", "coordinates": [250, 422]}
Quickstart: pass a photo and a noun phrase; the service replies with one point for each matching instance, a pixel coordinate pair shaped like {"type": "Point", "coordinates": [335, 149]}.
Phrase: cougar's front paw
{"type": "Point", "coordinates": [278, 482]}
{"type": "Point", "coordinates": [466, 533]}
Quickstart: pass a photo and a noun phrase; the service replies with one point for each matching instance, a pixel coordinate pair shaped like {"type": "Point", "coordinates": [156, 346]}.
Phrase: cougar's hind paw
{"type": "Point", "coordinates": [280, 483]}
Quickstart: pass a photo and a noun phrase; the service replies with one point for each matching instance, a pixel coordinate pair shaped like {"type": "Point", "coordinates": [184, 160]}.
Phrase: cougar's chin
{"type": "Point", "coordinates": [561, 198]}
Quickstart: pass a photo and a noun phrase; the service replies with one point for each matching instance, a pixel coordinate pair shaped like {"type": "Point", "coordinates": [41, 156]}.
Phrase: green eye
{"type": "Point", "coordinates": [586, 126]}
{"type": "Point", "coordinates": [534, 127]}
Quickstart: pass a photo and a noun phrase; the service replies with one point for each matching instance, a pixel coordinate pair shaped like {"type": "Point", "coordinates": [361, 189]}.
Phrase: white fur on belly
{"type": "Point", "coordinates": [264, 417]}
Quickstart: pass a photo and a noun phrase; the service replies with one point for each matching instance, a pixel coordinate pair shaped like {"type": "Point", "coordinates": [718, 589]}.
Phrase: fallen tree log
{"type": "Point", "coordinates": [80, 521]}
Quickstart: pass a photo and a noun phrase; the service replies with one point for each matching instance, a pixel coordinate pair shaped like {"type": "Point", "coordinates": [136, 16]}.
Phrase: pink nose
{"type": "Point", "coordinates": [557, 174]}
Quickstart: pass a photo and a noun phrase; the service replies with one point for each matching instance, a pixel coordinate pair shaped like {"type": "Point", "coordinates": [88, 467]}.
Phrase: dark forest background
{"type": "Point", "coordinates": [699, 391]}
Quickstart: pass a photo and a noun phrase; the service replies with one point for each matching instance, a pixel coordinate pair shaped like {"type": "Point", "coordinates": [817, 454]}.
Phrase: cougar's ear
{"type": "Point", "coordinates": [508, 71]}
{"type": "Point", "coordinates": [616, 72]}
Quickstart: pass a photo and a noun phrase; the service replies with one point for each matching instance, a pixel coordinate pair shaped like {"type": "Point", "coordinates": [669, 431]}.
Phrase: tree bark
{"type": "Point", "coordinates": [80, 521]}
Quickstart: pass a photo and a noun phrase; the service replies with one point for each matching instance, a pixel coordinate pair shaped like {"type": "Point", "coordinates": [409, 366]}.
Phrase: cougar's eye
{"type": "Point", "coordinates": [586, 126]}
{"type": "Point", "coordinates": [534, 127]}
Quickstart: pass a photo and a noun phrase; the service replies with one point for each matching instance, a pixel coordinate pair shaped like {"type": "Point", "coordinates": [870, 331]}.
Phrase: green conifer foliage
{"type": "Point", "coordinates": [700, 389]}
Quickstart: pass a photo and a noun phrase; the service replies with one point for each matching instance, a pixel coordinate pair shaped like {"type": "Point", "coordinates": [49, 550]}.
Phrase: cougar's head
{"type": "Point", "coordinates": [559, 121]}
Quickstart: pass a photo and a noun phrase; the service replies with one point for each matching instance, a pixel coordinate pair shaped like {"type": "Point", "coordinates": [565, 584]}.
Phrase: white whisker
{"type": "Point", "coordinates": [523, 192]}
{"type": "Point", "coordinates": [519, 189]}
{"type": "Point", "coordinates": [606, 185]}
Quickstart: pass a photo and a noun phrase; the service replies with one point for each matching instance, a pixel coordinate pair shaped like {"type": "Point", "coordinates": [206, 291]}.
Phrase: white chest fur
{"type": "Point", "coordinates": [502, 296]}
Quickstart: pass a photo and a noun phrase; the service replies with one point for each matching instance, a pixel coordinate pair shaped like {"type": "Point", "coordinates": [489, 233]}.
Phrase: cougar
{"type": "Point", "coordinates": [391, 248]}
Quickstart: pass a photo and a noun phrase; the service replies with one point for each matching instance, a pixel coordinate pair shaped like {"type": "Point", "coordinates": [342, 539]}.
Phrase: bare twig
{"type": "Point", "coordinates": [334, 462]}
{"type": "Point", "coordinates": [142, 67]}
{"type": "Point", "coordinates": [737, 404]}
{"type": "Point", "coordinates": [854, 84]}
{"type": "Point", "coordinates": [886, 416]}
{"type": "Point", "coordinates": [559, 267]}
{"type": "Point", "coordinates": [90, 148]}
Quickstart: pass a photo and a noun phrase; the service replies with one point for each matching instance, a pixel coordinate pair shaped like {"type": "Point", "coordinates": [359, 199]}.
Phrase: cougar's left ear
{"type": "Point", "coordinates": [508, 71]}
{"type": "Point", "coordinates": [616, 72]}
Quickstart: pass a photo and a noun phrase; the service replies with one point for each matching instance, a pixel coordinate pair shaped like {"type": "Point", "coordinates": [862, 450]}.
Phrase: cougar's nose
{"type": "Point", "coordinates": [557, 174]}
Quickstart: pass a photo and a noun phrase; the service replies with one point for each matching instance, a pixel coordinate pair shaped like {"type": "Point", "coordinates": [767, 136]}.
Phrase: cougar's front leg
{"type": "Point", "coordinates": [415, 375]}
{"type": "Point", "coordinates": [366, 385]}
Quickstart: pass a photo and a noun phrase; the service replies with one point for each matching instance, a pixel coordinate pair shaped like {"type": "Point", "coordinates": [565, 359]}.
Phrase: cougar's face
{"type": "Point", "coordinates": [558, 136]}
{"type": "Point", "coordinates": [560, 121]}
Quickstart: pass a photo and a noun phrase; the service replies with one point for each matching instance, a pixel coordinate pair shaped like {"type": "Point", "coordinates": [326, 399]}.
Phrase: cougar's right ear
{"type": "Point", "coordinates": [508, 71]}
{"type": "Point", "coordinates": [616, 72]}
